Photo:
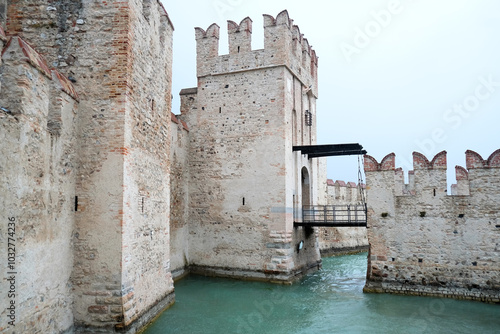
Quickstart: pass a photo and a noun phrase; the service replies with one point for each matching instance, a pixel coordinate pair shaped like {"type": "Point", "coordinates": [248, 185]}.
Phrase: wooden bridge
{"type": "Point", "coordinates": [333, 215]}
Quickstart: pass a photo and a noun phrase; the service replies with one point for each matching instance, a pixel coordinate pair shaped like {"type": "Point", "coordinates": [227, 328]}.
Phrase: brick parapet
{"type": "Point", "coordinates": [475, 160]}
{"type": "Point", "coordinates": [387, 163]}
{"type": "Point", "coordinates": [283, 46]}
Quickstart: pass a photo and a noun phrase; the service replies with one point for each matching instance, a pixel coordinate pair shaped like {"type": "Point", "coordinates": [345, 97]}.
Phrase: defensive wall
{"type": "Point", "coordinates": [343, 240]}
{"type": "Point", "coordinates": [424, 241]}
{"type": "Point", "coordinates": [88, 175]}
{"type": "Point", "coordinates": [37, 183]}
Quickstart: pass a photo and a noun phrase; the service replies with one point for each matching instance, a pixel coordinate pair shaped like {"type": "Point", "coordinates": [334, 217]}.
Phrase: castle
{"type": "Point", "coordinates": [107, 196]}
{"type": "Point", "coordinates": [111, 196]}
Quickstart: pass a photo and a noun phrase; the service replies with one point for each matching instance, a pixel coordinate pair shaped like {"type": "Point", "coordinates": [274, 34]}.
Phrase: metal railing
{"type": "Point", "coordinates": [333, 215]}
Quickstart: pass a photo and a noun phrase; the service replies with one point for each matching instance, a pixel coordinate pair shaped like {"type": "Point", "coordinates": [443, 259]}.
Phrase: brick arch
{"type": "Point", "coordinates": [420, 161]}
{"type": "Point", "coordinates": [494, 159]}
{"type": "Point", "coordinates": [370, 163]}
{"type": "Point", "coordinates": [388, 162]}
{"type": "Point", "coordinates": [244, 25]}
{"type": "Point", "coordinates": [461, 173]}
{"type": "Point", "coordinates": [212, 31]}
{"type": "Point", "coordinates": [439, 160]}
{"type": "Point", "coordinates": [474, 160]}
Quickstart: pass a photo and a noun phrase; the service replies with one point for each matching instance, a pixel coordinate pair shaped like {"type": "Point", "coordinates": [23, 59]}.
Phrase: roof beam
{"type": "Point", "coordinates": [316, 151]}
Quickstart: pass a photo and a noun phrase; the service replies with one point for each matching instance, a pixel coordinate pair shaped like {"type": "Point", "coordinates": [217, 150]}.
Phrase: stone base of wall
{"type": "Point", "coordinates": [138, 325]}
{"type": "Point", "coordinates": [263, 276]}
{"type": "Point", "coordinates": [179, 273]}
{"type": "Point", "coordinates": [488, 296]}
{"type": "Point", "coordinates": [334, 251]}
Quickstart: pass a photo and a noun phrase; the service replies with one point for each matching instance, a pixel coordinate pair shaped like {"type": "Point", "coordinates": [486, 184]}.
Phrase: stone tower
{"type": "Point", "coordinates": [247, 184]}
{"type": "Point", "coordinates": [113, 267]}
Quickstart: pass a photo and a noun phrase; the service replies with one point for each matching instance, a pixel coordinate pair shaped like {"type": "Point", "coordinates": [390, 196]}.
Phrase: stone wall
{"type": "Point", "coordinates": [37, 182]}
{"type": "Point", "coordinates": [179, 200]}
{"type": "Point", "coordinates": [145, 261]}
{"type": "Point", "coordinates": [111, 192]}
{"type": "Point", "coordinates": [426, 242]}
{"type": "Point", "coordinates": [118, 54]}
{"type": "Point", "coordinates": [343, 240]}
{"type": "Point", "coordinates": [247, 112]}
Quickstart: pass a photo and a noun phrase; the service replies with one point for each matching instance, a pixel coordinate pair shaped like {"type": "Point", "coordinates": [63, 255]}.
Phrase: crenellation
{"type": "Point", "coordinates": [283, 46]}
{"type": "Point", "coordinates": [240, 36]}
{"type": "Point", "coordinates": [387, 163]}
{"type": "Point", "coordinates": [343, 240]}
{"type": "Point", "coordinates": [306, 56]}
{"type": "Point", "coordinates": [461, 188]}
{"type": "Point", "coordinates": [297, 41]}
{"type": "Point", "coordinates": [207, 46]}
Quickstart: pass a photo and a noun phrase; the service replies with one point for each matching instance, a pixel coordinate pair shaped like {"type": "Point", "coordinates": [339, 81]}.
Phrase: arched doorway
{"type": "Point", "coordinates": [306, 187]}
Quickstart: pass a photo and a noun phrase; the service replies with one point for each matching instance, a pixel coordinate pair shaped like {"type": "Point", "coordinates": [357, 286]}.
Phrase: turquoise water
{"type": "Point", "coordinates": [328, 301]}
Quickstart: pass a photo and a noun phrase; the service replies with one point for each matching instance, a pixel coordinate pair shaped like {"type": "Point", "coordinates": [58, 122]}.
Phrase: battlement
{"type": "Point", "coordinates": [430, 176]}
{"type": "Point", "coordinates": [284, 45]}
{"type": "Point", "coordinates": [474, 160]}
{"type": "Point", "coordinates": [341, 192]}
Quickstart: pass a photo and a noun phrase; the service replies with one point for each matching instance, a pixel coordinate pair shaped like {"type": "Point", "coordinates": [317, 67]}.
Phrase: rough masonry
{"type": "Point", "coordinates": [111, 192]}
{"type": "Point", "coordinates": [343, 240]}
{"type": "Point", "coordinates": [88, 181]}
{"type": "Point", "coordinates": [426, 242]}
{"type": "Point", "coordinates": [246, 184]}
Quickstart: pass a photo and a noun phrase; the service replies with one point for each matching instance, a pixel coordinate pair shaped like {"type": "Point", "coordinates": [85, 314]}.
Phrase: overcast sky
{"type": "Point", "coordinates": [394, 76]}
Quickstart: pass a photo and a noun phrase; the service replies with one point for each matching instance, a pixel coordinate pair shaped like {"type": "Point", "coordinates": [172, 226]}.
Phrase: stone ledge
{"type": "Point", "coordinates": [487, 296]}
{"type": "Point", "coordinates": [135, 327]}
{"type": "Point", "coordinates": [278, 277]}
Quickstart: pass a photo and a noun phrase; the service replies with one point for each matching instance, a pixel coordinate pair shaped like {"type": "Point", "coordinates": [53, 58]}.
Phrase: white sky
{"type": "Point", "coordinates": [415, 80]}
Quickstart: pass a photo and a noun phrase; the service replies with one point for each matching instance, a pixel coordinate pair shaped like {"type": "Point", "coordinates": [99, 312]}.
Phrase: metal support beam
{"type": "Point", "coordinates": [316, 151]}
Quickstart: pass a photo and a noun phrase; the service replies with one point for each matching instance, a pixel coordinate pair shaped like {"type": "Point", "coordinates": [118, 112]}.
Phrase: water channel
{"type": "Point", "coordinates": [328, 301]}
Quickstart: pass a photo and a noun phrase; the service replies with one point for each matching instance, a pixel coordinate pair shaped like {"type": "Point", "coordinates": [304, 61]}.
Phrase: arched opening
{"type": "Point", "coordinates": [306, 187]}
